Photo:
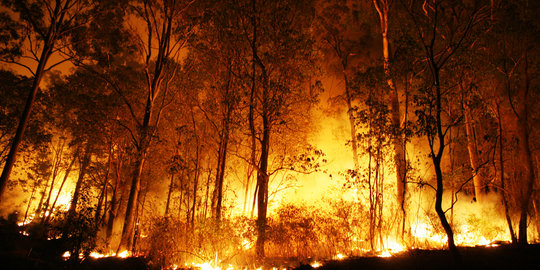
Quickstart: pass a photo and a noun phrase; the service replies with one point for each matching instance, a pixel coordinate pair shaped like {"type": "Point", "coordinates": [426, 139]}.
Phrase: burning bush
{"type": "Point", "coordinates": [171, 241]}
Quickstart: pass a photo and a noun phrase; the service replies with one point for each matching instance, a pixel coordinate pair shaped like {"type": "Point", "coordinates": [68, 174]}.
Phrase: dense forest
{"type": "Point", "coordinates": [236, 131]}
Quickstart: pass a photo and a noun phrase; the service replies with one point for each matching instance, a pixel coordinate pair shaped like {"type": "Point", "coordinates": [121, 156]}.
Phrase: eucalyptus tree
{"type": "Point", "coordinates": [166, 27]}
{"type": "Point", "coordinates": [442, 30]}
{"type": "Point", "coordinates": [41, 30]}
{"type": "Point", "coordinates": [276, 34]}
{"type": "Point", "coordinates": [383, 8]}
{"type": "Point", "coordinates": [510, 54]}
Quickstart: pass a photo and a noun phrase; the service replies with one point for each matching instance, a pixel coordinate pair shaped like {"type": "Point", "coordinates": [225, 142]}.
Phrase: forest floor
{"type": "Point", "coordinates": [501, 257]}
{"type": "Point", "coordinates": [22, 252]}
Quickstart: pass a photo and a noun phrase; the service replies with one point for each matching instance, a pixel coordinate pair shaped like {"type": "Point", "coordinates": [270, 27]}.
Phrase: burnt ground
{"type": "Point", "coordinates": [22, 252]}
{"type": "Point", "coordinates": [502, 257]}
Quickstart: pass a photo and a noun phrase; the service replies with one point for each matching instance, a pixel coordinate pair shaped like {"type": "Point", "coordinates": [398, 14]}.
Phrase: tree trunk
{"type": "Point", "coordinates": [398, 142]}
{"type": "Point", "coordinates": [56, 167]}
{"type": "Point", "coordinates": [167, 205]}
{"type": "Point", "coordinates": [126, 240]}
{"type": "Point", "coordinates": [195, 185]}
{"type": "Point", "coordinates": [436, 158]}
{"type": "Point", "coordinates": [478, 180]}
{"type": "Point", "coordinates": [23, 123]}
{"type": "Point", "coordinates": [113, 209]}
{"type": "Point", "coordinates": [82, 173]}
{"type": "Point", "coordinates": [262, 196]}
{"type": "Point", "coordinates": [222, 163]}
{"type": "Point", "coordinates": [350, 114]}
{"type": "Point", "coordinates": [504, 192]}
{"type": "Point", "coordinates": [68, 170]}
{"type": "Point", "coordinates": [525, 154]}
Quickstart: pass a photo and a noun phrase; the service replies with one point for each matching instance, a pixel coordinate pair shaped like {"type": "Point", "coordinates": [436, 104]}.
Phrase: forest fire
{"type": "Point", "coordinates": [256, 134]}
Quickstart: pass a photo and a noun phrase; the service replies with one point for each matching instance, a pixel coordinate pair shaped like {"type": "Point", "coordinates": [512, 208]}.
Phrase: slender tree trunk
{"type": "Point", "coordinates": [126, 240]}
{"type": "Point", "coordinates": [472, 148]}
{"type": "Point", "coordinates": [398, 142]}
{"type": "Point", "coordinates": [84, 162]}
{"type": "Point", "coordinates": [504, 192]}
{"type": "Point", "coordinates": [68, 170]}
{"type": "Point", "coordinates": [23, 123]}
{"type": "Point", "coordinates": [436, 157]}
{"type": "Point", "coordinates": [222, 164]}
{"type": "Point", "coordinates": [167, 205]}
{"type": "Point", "coordinates": [195, 185]}
{"type": "Point", "coordinates": [208, 179]}
{"type": "Point", "coordinates": [56, 167]}
{"type": "Point", "coordinates": [262, 182]}
{"type": "Point", "coordinates": [525, 154]}
{"type": "Point", "coordinates": [113, 209]}
{"type": "Point", "coordinates": [55, 23]}
{"type": "Point", "coordinates": [350, 114]}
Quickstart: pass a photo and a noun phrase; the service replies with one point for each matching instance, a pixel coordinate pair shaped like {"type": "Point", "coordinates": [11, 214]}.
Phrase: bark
{"type": "Point", "coordinates": [478, 179]}
{"type": "Point", "coordinates": [84, 162]}
{"type": "Point", "coordinates": [527, 175]}
{"type": "Point", "coordinates": [155, 71]}
{"type": "Point", "coordinates": [398, 143]}
{"type": "Point", "coordinates": [58, 159]}
{"type": "Point", "coordinates": [113, 209]}
{"type": "Point", "coordinates": [504, 192]}
{"type": "Point", "coordinates": [68, 171]}
{"type": "Point", "coordinates": [222, 161]}
{"type": "Point", "coordinates": [350, 114]}
{"type": "Point", "coordinates": [436, 158]}
{"type": "Point", "coordinates": [48, 46]}
{"type": "Point", "coordinates": [126, 240]}
{"type": "Point", "coordinates": [167, 205]}
{"type": "Point", "coordinates": [195, 185]}
{"type": "Point", "coordinates": [262, 195]}
{"type": "Point", "coordinates": [103, 196]}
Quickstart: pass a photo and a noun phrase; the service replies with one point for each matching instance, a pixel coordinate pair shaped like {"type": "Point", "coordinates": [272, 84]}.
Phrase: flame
{"type": "Point", "coordinates": [316, 264]}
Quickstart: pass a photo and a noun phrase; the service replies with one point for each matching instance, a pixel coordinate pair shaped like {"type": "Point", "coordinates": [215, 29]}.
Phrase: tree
{"type": "Point", "coordinates": [43, 27]}
{"type": "Point", "coordinates": [280, 51]}
{"type": "Point", "coordinates": [160, 20]}
{"type": "Point", "coordinates": [383, 8]}
{"type": "Point", "coordinates": [441, 34]}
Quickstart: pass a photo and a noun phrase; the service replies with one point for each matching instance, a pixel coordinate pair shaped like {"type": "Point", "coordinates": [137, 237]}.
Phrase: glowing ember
{"type": "Point", "coordinates": [385, 254]}
{"type": "Point", "coordinates": [340, 256]}
{"type": "Point", "coordinates": [316, 264]}
{"type": "Point", "coordinates": [124, 254]}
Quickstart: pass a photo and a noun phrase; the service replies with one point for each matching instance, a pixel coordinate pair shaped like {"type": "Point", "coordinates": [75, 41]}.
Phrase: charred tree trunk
{"type": "Point", "coordinates": [68, 171]}
{"type": "Point", "coordinates": [262, 195]}
{"type": "Point", "coordinates": [195, 185]}
{"type": "Point", "coordinates": [436, 156]}
{"type": "Point", "coordinates": [504, 192]}
{"type": "Point", "coordinates": [222, 161]}
{"type": "Point", "coordinates": [84, 162]}
{"type": "Point", "coordinates": [23, 123]}
{"type": "Point", "coordinates": [155, 72]}
{"type": "Point", "coordinates": [474, 159]}
{"type": "Point", "coordinates": [126, 240]}
{"type": "Point", "coordinates": [398, 143]}
{"type": "Point", "coordinates": [522, 132]}
{"type": "Point", "coordinates": [52, 34]}
{"type": "Point", "coordinates": [56, 167]}
{"type": "Point", "coordinates": [350, 114]}
{"type": "Point", "coordinates": [167, 205]}
{"type": "Point", "coordinates": [103, 196]}
{"type": "Point", "coordinates": [113, 209]}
